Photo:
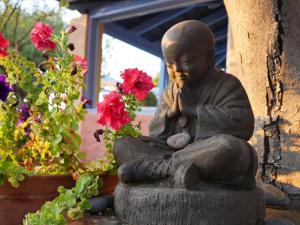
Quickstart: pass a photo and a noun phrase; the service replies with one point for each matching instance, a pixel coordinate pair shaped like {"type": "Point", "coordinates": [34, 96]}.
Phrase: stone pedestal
{"type": "Point", "coordinates": [148, 205]}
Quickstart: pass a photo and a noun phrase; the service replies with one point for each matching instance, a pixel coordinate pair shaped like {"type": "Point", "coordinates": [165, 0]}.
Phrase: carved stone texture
{"type": "Point", "coordinates": [278, 222]}
{"type": "Point", "coordinates": [149, 205]}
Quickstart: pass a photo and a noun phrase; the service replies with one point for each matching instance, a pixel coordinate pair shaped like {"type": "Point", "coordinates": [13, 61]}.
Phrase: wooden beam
{"type": "Point", "coordinates": [99, 60]}
{"type": "Point", "coordinates": [129, 9]}
{"type": "Point", "coordinates": [91, 76]}
{"type": "Point", "coordinates": [221, 38]}
{"type": "Point", "coordinates": [221, 60]}
{"type": "Point", "coordinates": [132, 39]}
{"type": "Point", "coordinates": [222, 51]}
{"type": "Point", "coordinates": [163, 77]}
{"type": "Point", "coordinates": [159, 20]}
{"type": "Point", "coordinates": [214, 17]}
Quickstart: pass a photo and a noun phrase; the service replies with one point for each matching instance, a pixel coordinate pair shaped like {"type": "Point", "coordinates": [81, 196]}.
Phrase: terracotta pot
{"type": "Point", "coordinates": [109, 184]}
{"type": "Point", "coordinates": [29, 196]}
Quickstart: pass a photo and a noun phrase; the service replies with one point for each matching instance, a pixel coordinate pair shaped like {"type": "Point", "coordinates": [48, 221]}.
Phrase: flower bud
{"type": "Point", "coordinates": [97, 134]}
{"type": "Point", "coordinates": [86, 101]}
{"type": "Point", "coordinates": [71, 46]}
{"type": "Point", "coordinates": [42, 67]}
{"type": "Point", "coordinates": [45, 55]}
{"type": "Point", "coordinates": [119, 87]}
{"type": "Point", "coordinates": [71, 29]}
{"type": "Point", "coordinates": [74, 71]}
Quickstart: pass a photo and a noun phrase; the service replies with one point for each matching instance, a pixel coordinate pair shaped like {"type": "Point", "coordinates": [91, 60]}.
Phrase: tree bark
{"type": "Point", "coordinates": [263, 52]}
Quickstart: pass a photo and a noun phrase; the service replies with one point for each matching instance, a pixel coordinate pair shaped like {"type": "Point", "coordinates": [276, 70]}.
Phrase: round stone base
{"type": "Point", "coordinates": [146, 205]}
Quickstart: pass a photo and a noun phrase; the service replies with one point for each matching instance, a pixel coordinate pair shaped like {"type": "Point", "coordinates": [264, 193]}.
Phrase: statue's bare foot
{"type": "Point", "coordinates": [144, 170]}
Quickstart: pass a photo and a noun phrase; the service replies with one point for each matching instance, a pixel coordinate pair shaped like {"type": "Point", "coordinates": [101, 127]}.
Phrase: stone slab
{"type": "Point", "coordinates": [146, 205]}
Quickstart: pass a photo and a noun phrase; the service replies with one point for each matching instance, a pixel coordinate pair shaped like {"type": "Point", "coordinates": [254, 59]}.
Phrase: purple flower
{"type": "Point", "coordinates": [38, 119]}
{"type": "Point", "coordinates": [4, 88]}
{"type": "Point", "coordinates": [86, 101]}
{"type": "Point", "coordinates": [24, 113]}
{"type": "Point", "coordinates": [27, 130]}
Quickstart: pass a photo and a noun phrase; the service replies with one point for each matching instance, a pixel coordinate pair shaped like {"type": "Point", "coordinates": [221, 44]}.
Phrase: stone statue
{"type": "Point", "coordinates": [201, 127]}
{"type": "Point", "coordinates": [196, 166]}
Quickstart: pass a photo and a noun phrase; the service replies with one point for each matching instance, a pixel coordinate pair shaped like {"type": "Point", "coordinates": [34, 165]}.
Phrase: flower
{"type": "Point", "coordinates": [136, 82]}
{"type": "Point", "coordinates": [4, 43]}
{"type": "Point", "coordinates": [41, 36]}
{"type": "Point", "coordinates": [5, 88]}
{"type": "Point", "coordinates": [71, 29]}
{"type": "Point", "coordinates": [86, 101]}
{"type": "Point", "coordinates": [82, 62]}
{"type": "Point", "coordinates": [112, 111]}
{"type": "Point", "coordinates": [24, 113]}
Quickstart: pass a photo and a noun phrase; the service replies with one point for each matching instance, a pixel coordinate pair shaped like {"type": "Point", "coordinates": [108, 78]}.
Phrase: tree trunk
{"type": "Point", "coordinates": [263, 52]}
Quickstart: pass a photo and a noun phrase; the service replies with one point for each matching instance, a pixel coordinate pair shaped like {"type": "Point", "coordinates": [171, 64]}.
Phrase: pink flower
{"type": "Point", "coordinates": [136, 82]}
{"type": "Point", "coordinates": [112, 111]}
{"type": "Point", "coordinates": [82, 62]}
{"type": "Point", "coordinates": [41, 36]}
{"type": "Point", "coordinates": [4, 43]}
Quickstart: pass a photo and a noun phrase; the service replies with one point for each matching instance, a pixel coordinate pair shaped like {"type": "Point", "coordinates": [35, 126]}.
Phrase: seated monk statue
{"type": "Point", "coordinates": [201, 126]}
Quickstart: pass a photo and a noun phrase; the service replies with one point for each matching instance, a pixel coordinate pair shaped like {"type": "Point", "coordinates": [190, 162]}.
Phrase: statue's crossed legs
{"type": "Point", "coordinates": [222, 158]}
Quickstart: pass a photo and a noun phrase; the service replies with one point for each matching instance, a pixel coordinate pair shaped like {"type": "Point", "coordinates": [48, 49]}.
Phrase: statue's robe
{"type": "Point", "coordinates": [220, 129]}
{"type": "Point", "coordinates": [223, 107]}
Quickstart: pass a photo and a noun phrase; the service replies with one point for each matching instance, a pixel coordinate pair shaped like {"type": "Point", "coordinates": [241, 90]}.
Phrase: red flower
{"type": "Point", "coordinates": [112, 111]}
{"type": "Point", "coordinates": [136, 82]}
{"type": "Point", "coordinates": [41, 36]}
{"type": "Point", "coordinates": [4, 43]}
{"type": "Point", "coordinates": [82, 62]}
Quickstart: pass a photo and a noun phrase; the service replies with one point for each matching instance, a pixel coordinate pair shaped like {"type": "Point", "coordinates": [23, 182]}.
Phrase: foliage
{"type": "Point", "coordinates": [39, 121]}
{"type": "Point", "coordinates": [70, 203]}
{"type": "Point", "coordinates": [16, 24]}
{"type": "Point", "coordinates": [156, 79]}
{"type": "Point", "coordinates": [151, 100]}
{"type": "Point", "coordinates": [52, 145]}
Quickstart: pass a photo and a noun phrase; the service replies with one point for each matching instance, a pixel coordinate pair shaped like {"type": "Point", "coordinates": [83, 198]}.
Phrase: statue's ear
{"type": "Point", "coordinates": [211, 58]}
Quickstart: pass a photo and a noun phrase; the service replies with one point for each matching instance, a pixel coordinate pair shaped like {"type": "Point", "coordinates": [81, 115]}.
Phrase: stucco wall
{"type": "Point", "coordinates": [95, 149]}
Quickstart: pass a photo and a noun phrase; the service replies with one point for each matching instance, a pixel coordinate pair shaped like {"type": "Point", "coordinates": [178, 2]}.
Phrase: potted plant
{"type": "Point", "coordinates": [39, 140]}
{"type": "Point", "coordinates": [39, 119]}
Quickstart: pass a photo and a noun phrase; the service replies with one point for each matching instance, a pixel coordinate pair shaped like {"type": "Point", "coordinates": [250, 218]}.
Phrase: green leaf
{"type": "Point", "coordinates": [57, 139]}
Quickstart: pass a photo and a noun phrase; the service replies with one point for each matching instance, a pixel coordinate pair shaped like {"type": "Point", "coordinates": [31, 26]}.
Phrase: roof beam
{"type": "Point", "coordinates": [84, 6]}
{"type": "Point", "coordinates": [214, 17]}
{"type": "Point", "coordinates": [222, 51]}
{"type": "Point", "coordinates": [132, 39]}
{"type": "Point", "coordinates": [221, 38]}
{"type": "Point", "coordinates": [160, 19]}
{"type": "Point", "coordinates": [129, 9]}
{"type": "Point", "coordinates": [219, 48]}
{"type": "Point", "coordinates": [221, 60]}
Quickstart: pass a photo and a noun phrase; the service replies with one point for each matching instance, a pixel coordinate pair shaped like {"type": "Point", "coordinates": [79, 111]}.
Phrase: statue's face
{"type": "Point", "coordinates": [186, 64]}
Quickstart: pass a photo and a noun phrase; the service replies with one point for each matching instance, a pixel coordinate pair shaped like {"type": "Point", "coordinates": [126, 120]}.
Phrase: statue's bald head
{"type": "Point", "coordinates": [188, 50]}
{"type": "Point", "coordinates": [189, 33]}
